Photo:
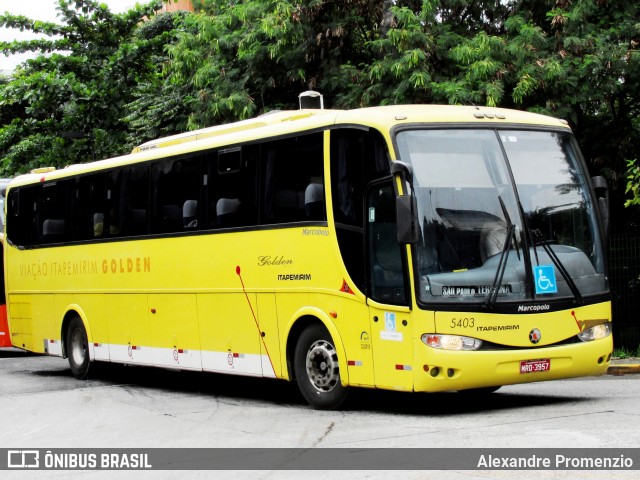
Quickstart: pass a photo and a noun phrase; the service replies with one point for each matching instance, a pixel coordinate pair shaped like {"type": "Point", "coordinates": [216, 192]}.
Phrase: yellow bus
{"type": "Point", "coordinates": [412, 248]}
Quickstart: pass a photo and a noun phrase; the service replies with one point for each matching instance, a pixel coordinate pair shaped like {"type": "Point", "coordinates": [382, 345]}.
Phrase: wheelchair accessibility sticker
{"type": "Point", "coordinates": [545, 278]}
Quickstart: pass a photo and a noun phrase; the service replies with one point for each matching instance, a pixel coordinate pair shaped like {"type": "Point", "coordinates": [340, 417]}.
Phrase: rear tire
{"type": "Point", "coordinates": [315, 364]}
{"type": "Point", "coordinates": [78, 349]}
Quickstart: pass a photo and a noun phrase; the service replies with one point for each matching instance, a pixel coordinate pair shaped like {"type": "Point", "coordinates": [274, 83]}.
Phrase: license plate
{"type": "Point", "coordinates": [532, 366]}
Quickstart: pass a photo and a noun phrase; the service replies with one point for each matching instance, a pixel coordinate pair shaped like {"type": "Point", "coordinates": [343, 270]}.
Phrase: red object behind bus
{"type": "Point", "coordinates": [5, 337]}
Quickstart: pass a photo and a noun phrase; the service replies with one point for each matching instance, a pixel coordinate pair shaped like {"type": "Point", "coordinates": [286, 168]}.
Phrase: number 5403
{"type": "Point", "coordinates": [463, 322]}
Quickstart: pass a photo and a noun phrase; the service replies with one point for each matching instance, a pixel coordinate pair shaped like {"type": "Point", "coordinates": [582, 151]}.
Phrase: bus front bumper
{"type": "Point", "coordinates": [440, 370]}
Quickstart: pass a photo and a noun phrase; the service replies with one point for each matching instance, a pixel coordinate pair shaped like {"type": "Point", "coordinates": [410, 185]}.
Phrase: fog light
{"type": "Point", "coordinates": [595, 333]}
{"type": "Point", "coordinates": [451, 342]}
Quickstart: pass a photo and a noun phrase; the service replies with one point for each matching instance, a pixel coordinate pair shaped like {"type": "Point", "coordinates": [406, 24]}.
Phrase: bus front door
{"type": "Point", "coordinates": [389, 317]}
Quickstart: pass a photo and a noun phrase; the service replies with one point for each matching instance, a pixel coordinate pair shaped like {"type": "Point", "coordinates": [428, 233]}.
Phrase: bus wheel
{"type": "Point", "coordinates": [78, 349]}
{"type": "Point", "coordinates": [316, 369]}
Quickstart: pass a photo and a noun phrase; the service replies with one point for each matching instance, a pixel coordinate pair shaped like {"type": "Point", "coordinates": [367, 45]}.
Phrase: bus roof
{"type": "Point", "coordinates": [384, 115]}
{"type": "Point", "coordinates": [265, 120]}
{"type": "Point", "coordinates": [280, 123]}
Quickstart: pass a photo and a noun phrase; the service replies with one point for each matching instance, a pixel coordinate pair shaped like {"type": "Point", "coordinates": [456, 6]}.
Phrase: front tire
{"type": "Point", "coordinates": [316, 369]}
{"type": "Point", "coordinates": [78, 349]}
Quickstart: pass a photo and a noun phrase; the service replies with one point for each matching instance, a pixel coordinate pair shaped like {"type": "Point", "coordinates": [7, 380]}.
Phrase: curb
{"type": "Point", "coordinates": [623, 369]}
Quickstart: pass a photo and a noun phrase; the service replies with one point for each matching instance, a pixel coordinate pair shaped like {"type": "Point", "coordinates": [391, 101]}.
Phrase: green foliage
{"type": "Point", "coordinates": [66, 106]}
{"type": "Point", "coordinates": [237, 59]}
{"type": "Point", "coordinates": [121, 80]}
{"type": "Point", "coordinates": [623, 352]}
{"type": "Point", "coordinates": [633, 183]}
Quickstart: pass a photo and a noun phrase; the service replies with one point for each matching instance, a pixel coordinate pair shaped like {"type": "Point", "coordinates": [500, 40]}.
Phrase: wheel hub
{"type": "Point", "coordinates": [322, 366]}
{"type": "Point", "coordinates": [78, 351]}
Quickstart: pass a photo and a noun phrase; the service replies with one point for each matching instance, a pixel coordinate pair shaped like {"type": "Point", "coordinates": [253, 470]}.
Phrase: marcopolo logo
{"type": "Point", "coordinates": [533, 308]}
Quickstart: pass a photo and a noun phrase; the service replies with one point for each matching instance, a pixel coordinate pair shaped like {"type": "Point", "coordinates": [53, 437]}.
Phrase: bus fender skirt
{"type": "Point", "coordinates": [324, 318]}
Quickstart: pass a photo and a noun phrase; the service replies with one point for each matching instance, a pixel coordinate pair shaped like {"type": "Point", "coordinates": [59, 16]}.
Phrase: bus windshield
{"type": "Point", "coordinates": [504, 215]}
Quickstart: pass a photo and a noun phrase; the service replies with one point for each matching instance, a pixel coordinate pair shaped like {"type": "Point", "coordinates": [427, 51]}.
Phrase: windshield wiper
{"type": "Point", "coordinates": [539, 240]}
{"type": "Point", "coordinates": [528, 242]}
{"type": "Point", "coordinates": [492, 297]}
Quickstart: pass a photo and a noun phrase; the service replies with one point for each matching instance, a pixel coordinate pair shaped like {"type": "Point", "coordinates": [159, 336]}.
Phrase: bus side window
{"type": "Point", "coordinates": [126, 202]}
{"type": "Point", "coordinates": [230, 203]}
{"type": "Point", "coordinates": [174, 183]}
{"type": "Point", "coordinates": [292, 180]}
{"type": "Point", "coordinates": [54, 211]}
{"type": "Point", "coordinates": [113, 218]}
{"type": "Point", "coordinates": [88, 217]}
{"type": "Point", "coordinates": [357, 158]}
{"type": "Point", "coordinates": [231, 191]}
{"type": "Point", "coordinates": [21, 223]}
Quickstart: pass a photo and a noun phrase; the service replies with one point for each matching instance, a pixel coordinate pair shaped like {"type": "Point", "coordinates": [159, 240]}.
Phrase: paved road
{"type": "Point", "coordinates": [43, 406]}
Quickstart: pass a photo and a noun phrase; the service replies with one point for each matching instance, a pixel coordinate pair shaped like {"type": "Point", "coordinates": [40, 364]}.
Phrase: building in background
{"type": "Point", "coordinates": [176, 5]}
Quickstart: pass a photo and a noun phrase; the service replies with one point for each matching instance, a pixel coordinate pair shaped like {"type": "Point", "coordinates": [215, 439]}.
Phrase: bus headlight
{"type": "Point", "coordinates": [451, 342]}
{"type": "Point", "coordinates": [595, 333]}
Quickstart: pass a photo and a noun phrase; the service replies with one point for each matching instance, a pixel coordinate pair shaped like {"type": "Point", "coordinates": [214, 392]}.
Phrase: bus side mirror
{"type": "Point", "coordinates": [404, 170]}
{"type": "Point", "coordinates": [406, 205]}
{"type": "Point", "coordinates": [407, 218]}
{"type": "Point", "coordinates": [602, 194]}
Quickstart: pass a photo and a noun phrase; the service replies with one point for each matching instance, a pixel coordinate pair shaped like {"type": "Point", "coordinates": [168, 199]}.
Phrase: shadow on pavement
{"type": "Point", "coordinates": [277, 392]}
{"type": "Point", "coordinates": [10, 352]}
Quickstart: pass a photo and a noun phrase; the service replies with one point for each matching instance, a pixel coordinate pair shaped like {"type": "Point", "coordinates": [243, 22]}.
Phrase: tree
{"type": "Point", "coordinates": [230, 60]}
{"type": "Point", "coordinates": [633, 183]}
{"type": "Point", "coordinates": [237, 59]}
{"type": "Point", "coordinates": [65, 106]}
{"type": "Point", "coordinates": [576, 60]}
